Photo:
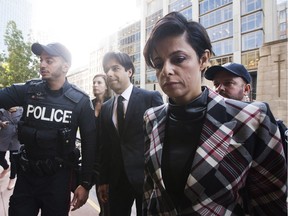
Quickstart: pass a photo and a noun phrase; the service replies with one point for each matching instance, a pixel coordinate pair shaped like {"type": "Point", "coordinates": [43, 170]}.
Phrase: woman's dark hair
{"type": "Point", "coordinates": [108, 92]}
{"type": "Point", "coordinates": [174, 24]}
{"type": "Point", "coordinates": [122, 58]}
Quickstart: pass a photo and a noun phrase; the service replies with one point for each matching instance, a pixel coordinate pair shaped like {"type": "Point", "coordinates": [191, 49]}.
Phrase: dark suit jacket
{"type": "Point", "coordinates": [125, 155]}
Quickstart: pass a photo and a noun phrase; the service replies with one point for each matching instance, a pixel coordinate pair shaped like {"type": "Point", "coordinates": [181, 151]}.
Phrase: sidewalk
{"type": "Point", "coordinates": [91, 208]}
{"type": "Point", "coordinates": [4, 194]}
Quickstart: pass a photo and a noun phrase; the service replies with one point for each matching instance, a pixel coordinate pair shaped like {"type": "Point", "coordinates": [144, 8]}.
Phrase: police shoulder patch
{"type": "Point", "coordinates": [36, 86]}
{"type": "Point", "coordinates": [75, 94]}
{"type": "Point", "coordinates": [35, 81]}
{"type": "Point", "coordinates": [78, 89]}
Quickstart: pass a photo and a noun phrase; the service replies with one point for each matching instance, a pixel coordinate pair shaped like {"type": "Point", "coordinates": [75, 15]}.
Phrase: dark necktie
{"type": "Point", "coordinates": [120, 114]}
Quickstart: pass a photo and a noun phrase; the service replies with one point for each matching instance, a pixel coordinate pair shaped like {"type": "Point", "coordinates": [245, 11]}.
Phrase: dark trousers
{"type": "Point", "coordinates": [13, 165]}
{"type": "Point", "coordinates": [4, 164]}
{"type": "Point", "coordinates": [121, 198]}
{"type": "Point", "coordinates": [51, 194]}
{"type": "Point", "coordinates": [3, 161]}
{"type": "Point", "coordinates": [104, 207]}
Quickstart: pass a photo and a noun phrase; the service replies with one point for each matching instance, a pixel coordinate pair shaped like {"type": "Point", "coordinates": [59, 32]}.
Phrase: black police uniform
{"type": "Point", "coordinates": [48, 131]}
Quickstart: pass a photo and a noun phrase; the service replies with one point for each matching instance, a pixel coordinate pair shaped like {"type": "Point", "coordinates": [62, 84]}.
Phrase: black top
{"type": "Point", "coordinates": [182, 135]}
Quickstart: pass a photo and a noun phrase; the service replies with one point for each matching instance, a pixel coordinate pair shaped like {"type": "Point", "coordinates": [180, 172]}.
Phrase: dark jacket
{"type": "Point", "coordinates": [125, 154]}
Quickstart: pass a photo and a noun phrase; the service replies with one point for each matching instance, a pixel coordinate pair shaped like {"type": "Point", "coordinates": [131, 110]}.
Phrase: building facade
{"type": "Point", "coordinates": [82, 79]}
{"type": "Point", "coordinates": [272, 79]}
{"type": "Point", "coordinates": [238, 29]}
{"type": "Point", "coordinates": [282, 19]}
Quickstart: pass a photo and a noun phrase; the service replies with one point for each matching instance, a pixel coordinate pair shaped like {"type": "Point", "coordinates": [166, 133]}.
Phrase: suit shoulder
{"type": "Point", "coordinates": [107, 103]}
{"type": "Point", "coordinates": [148, 92]}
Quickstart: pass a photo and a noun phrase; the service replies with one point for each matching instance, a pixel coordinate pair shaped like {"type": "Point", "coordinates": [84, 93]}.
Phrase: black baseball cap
{"type": "Point", "coordinates": [53, 49]}
{"type": "Point", "coordinates": [234, 68]}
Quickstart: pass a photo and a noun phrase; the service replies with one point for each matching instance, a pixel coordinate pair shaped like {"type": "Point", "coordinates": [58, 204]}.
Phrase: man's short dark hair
{"type": "Point", "coordinates": [123, 59]}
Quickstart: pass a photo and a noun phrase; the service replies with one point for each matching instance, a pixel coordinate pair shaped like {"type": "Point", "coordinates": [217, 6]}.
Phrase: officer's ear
{"type": "Point", "coordinates": [65, 67]}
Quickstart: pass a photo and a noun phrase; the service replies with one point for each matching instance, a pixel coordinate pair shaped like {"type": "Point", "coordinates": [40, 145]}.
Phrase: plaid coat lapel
{"type": "Point", "coordinates": [208, 153]}
{"type": "Point", "coordinates": [157, 138]}
{"type": "Point", "coordinates": [214, 141]}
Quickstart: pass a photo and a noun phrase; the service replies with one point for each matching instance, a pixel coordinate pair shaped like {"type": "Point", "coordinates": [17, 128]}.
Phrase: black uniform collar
{"type": "Point", "coordinates": [63, 89]}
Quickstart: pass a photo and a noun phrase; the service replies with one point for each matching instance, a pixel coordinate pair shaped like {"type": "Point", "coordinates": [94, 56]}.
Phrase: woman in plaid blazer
{"type": "Point", "coordinates": [204, 154]}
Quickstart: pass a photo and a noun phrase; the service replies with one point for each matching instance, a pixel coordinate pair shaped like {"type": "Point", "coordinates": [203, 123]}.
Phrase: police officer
{"type": "Point", "coordinates": [53, 111]}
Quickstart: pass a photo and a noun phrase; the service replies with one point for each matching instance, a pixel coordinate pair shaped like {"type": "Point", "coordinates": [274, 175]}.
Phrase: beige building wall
{"type": "Point", "coordinates": [272, 78]}
{"type": "Point", "coordinates": [82, 79]}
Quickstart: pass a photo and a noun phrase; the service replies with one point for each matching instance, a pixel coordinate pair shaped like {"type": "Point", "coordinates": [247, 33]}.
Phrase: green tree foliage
{"type": "Point", "coordinates": [19, 64]}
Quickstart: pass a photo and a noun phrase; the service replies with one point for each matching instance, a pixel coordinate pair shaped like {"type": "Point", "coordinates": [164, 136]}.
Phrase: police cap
{"type": "Point", "coordinates": [53, 49]}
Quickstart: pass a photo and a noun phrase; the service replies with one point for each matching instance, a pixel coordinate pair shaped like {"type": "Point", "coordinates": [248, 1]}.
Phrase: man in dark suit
{"type": "Point", "coordinates": [122, 147]}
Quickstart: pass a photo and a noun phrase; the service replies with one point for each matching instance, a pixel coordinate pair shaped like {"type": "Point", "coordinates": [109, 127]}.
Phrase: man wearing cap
{"type": "Point", "coordinates": [231, 80]}
{"type": "Point", "coordinates": [53, 111]}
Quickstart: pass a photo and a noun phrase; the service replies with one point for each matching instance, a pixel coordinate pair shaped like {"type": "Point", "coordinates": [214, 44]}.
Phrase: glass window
{"type": "Point", "coordinates": [222, 60]}
{"type": "Point", "coordinates": [151, 77]}
{"type": "Point", "coordinates": [282, 15]}
{"type": "Point", "coordinates": [223, 47]}
{"type": "Point", "coordinates": [179, 5]}
{"type": "Point", "coordinates": [136, 79]}
{"type": "Point", "coordinates": [247, 6]}
{"type": "Point", "coordinates": [187, 13]}
{"type": "Point", "coordinates": [216, 17]}
{"type": "Point", "coordinates": [252, 22]}
{"type": "Point", "coordinates": [250, 59]}
{"type": "Point", "coordinates": [252, 40]}
{"type": "Point", "coordinates": [203, 7]}
{"type": "Point", "coordinates": [208, 5]}
{"type": "Point", "coordinates": [221, 31]}
{"type": "Point", "coordinates": [151, 20]}
{"type": "Point", "coordinates": [154, 6]}
{"type": "Point", "coordinates": [282, 26]}
{"type": "Point", "coordinates": [204, 20]}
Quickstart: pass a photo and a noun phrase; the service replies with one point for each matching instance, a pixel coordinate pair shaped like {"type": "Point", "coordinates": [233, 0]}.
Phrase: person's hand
{"type": "Point", "coordinates": [103, 191]}
{"type": "Point", "coordinates": [4, 124]}
{"type": "Point", "coordinates": [80, 197]}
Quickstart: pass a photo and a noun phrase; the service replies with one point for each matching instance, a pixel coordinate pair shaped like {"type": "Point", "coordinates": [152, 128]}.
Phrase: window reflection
{"type": "Point", "coordinates": [221, 31]}
{"type": "Point", "coordinates": [252, 40]}
{"type": "Point", "coordinates": [252, 22]}
{"type": "Point", "coordinates": [248, 6]}
{"type": "Point", "coordinates": [216, 17]}
{"type": "Point", "coordinates": [223, 47]}
{"type": "Point", "coordinates": [179, 5]}
{"type": "Point", "coordinates": [208, 5]}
